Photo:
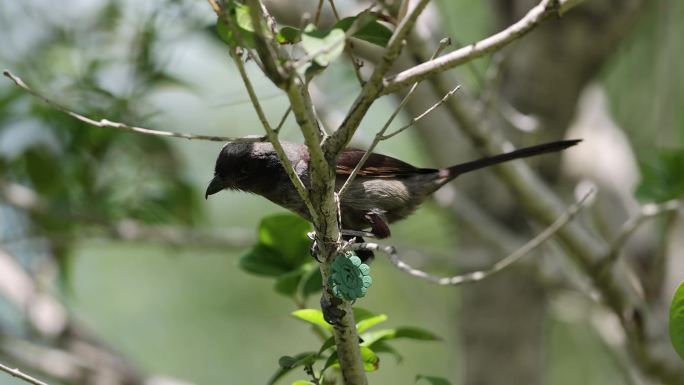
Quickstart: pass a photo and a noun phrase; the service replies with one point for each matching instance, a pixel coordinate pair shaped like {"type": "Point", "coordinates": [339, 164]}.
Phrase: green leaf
{"type": "Point", "coordinates": [662, 177]}
{"type": "Point", "coordinates": [288, 363]}
{"type": "Point", "coordinates": [287, 234]}
{"type": "Point", "coordinates": [414, 333]}
{"type": "Point", "coordinates": [288, 283]}
{"type": "Point", "coordinates": [370, 322]}
{"type": "Point", "coordinates": [332, 361]}
{"type": "Point", "coordinates": [262, 260]}
{"type": "Point", "coordinates": [302, 382]}
{"type": "Point", "coordinates": [371, 31]}
{"type": "Point", "coordinates": [282, 247]}
{"type": "Point", "coordinates": [433, 380]}
{"type": "Point", "coordinates": [325, 47]}
{"type": "Point", "coordinates": [239, 13]}
{"type": "Point", "coordinates": [313, 281]}
{"type": "Point", "coordinates": [677, 321]}
{"type": "Point", "coordinates": [312, 316]}
{"type": "Point", "coordinates": [330, 342]}
{"type": "Point", "coordinates": [289, 35]}
{"type": "Point", "coordinates": [361, 314]}
{"type": "Point", "coordinates": [371, 361]}
{"type": "Point", "coordinates": [382, 347]}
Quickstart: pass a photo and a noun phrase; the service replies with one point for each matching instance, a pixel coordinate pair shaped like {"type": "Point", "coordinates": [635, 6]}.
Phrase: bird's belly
{"type": "Point", "coordinates": [389, 197]}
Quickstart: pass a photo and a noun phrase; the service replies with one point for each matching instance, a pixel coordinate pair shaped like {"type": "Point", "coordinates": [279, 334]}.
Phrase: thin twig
{"type": "Point", "coordinates": [424, 114]}
{"type": "Point", "coordinates": [104, 123]}
{"type": "Point", "coordinates": [317, 18]}
{"type": "Point", "coordinates": [214, 5]}
{"type": "Point", "coordinates": [646, 212]}
{"type": "Point", "coordinates": [476, 276]}
{"type": "Point", "coordinates": [348, 47]}
{"type": "Point", "coordinates": [272, 136]}
{"type": "Point", "coordinates": [334, 144]}
{"type": "Point", "coordinates": [544, 10]}
{"type": "Point", "coordinates": [381, 134]}
{"type": "Point", "coordinates": [23, 376]}
{"type": "Point", "coordinates": [282, 120]}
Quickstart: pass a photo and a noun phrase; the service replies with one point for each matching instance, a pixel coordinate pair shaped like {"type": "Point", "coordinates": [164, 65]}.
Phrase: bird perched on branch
{"type": "Point", "coordinates": [385, 189]}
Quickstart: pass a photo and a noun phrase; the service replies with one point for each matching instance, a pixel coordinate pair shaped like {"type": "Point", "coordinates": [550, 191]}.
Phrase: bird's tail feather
{"type": "Point", "coordinates": [463, 168]}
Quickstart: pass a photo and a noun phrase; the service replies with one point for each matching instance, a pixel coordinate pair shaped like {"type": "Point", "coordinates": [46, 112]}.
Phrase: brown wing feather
{"type": "Point", "coordinates": [377, 165]}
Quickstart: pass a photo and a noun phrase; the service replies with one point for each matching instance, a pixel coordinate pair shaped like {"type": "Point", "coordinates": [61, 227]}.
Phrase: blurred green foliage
{"type": "Point", "coordinates": [662, 176]}
{"type": "Point", "coordinates": [88, 177]}
{"type": "Point", "coordinates": [676, 321]}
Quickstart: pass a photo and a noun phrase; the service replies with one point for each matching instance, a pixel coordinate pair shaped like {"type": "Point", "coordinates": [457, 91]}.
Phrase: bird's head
{"type": "Point", "coordinates": [233, 167]}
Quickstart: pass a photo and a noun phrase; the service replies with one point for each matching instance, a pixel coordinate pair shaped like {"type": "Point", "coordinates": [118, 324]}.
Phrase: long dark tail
{"type": "Point", "coordinates": [462, 168]}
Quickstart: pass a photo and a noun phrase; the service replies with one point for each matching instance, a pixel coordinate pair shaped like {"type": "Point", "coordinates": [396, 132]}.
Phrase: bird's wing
{"type": "Point", "coordinates": [378, 166]}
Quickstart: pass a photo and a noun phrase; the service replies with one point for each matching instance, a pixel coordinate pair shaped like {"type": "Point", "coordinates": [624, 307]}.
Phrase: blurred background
{"type": "Point", "coordinates": [115, 270]}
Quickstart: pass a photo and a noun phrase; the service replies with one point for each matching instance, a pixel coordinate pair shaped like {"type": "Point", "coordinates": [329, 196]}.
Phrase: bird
{"type": "Point", "coordinates": [384, 191]}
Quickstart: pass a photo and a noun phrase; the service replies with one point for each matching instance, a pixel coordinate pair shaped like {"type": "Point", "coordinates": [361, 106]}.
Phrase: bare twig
{"type": "Point", "coordinates": [372, 88]}
{"type": "Point", "coordinates": [349, 47]}
{"type": "Point", "coordinates": [20, 375]}
{"type": "Point", "coordinates": [380, 135]}
{"type": "Point", "coordinates": [319, 8]}
{"type": "Point", "coordinates": [476, 276]}
{"type": "Point", "coordinates": [282, 120]}
{"type": "Point", "coordinates": [104, 123]}
{"type": "Point", "coordinates": [421, 116]}
{"type": "Point", "coordinates": [215, 6]}
{"type": "Point", "coordinates": [536, 15]}
{"type": "Point", "coordinates": [272, 136]}
{"type": "Point", "coordinates": [647, 211]}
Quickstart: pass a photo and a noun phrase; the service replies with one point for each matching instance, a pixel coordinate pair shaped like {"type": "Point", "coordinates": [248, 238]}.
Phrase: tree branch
{"type": "Point", "coordinates": [646, 212]}
{"type": "Point", "coordinates": [272, 136]}
{"type": "Point", "coordinates": [373, 87]}
{"type": "Point", "coordinates": [104, 123]}
{"type": "Point", "coordinates": [476, 276]}
{"type": "Point", "coordinates": [22, 376]}
{"type": "Point", "coordinates": [536, 15]}
{"type": "Point", "coordinates": [380, 135]}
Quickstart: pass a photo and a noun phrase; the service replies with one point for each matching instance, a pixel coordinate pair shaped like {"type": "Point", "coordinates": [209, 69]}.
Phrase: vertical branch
{"type": "Point", "coordinates": [321, 192]}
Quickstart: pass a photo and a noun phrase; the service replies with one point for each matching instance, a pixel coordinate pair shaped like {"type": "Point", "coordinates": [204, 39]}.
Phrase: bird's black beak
{"type": "Point", "coordinates": [215, 186]}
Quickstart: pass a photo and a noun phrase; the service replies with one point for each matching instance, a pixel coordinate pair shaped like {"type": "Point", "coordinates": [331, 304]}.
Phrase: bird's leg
{"type": "Point", "coordinates": [379, 226]}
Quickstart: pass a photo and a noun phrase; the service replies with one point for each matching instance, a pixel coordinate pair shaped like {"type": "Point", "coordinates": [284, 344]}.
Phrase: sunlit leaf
{"type": "Point", "coordinates": [677, 321]}
{"type": "Point", "coordinates": [370, 322]}
{"type": "Point", "coordinates": [371, 361]}
{"type": "Point", "coordinates": [312, 316]}
{"type": "Point", "coordinates": [323, 46]}
{"type": "Point", "coordinates": [239, 14]}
